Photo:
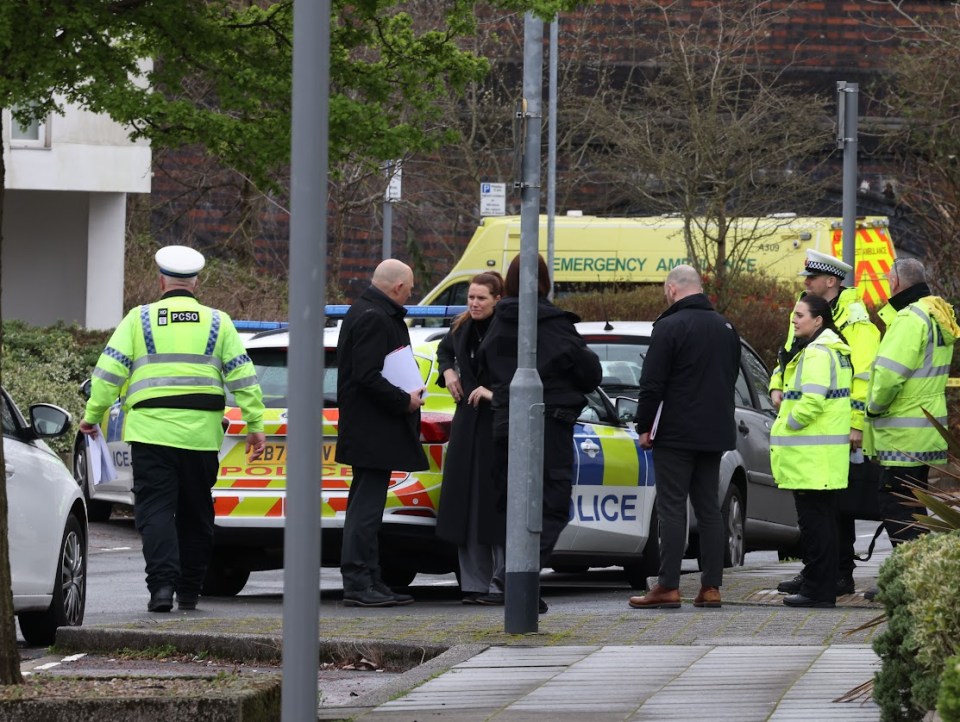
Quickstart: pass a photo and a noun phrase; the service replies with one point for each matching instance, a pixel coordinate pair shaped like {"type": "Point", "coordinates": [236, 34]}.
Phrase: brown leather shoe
{"type": "Point", "coordinates": [657, 598]}
{"type": "Point", "coordinates": [708, 597]}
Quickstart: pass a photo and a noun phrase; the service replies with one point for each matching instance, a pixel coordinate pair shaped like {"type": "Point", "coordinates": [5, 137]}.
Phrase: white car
{"type": "Point", "coordinates": [47, 524]}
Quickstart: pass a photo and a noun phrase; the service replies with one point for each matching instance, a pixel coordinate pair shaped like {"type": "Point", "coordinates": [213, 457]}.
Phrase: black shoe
{"type": "Point", "coordinates": [368, 597]}
{"type": "Point", "coordinates": [471, 597]}
{"type": "Point", "coordinates": [791, 586]}
{"type": "Point", "coordinates": [845, 586]}
{"type": "Point", "coordinates": [161, 599]}
{"type": "Point", "coordinates": [799, 600]}
{"type": "Point", "coordinates": [187, 602]}
{"type": "Point", "coordinates": [543, 606]}
{"type": "Point", "coordinates": [399, 599]}
{"type": "Point", "coordinates": [491, 600]}
{"type": "Point", "coordinates": [871, 594]}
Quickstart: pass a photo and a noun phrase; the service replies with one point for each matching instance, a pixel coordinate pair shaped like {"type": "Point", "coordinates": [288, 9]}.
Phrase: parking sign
{"type": "Point", "coordinates": [493, 199]}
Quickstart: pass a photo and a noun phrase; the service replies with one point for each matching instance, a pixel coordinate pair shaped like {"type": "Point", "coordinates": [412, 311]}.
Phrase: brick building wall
{"type": "Point", "coordinates": [815, 43]}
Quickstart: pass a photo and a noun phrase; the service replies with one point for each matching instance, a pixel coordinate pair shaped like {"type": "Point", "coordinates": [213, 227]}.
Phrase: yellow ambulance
{"type": "Point", "coordinates": [592, 252]}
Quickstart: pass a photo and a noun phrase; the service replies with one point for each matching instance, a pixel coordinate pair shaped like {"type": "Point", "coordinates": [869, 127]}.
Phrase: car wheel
{"type": "Point", "coordinates": [397, 576]}
{"type": "Point", "coordinates": [69, 590]}
{"type": "Point", "coordinates": [224, 577]}
{"type": "Point", "coordinates": [733, 525]}
{"type": "Point", "coordinates": [96, 510]}
{"type": "Point", "coordinates": [649, 564]}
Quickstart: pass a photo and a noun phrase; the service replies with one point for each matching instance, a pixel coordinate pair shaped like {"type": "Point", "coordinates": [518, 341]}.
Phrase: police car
{"type": "Point", "coordinates": [611, 515]}
{"type": "Point", "coordinates": [757, 514]}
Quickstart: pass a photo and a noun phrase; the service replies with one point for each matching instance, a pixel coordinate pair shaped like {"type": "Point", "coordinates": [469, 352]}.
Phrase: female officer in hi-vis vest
{"type": "Point", "coordinates": [810, 443]}
{"type": "Point", "coordinates": [176, 358]}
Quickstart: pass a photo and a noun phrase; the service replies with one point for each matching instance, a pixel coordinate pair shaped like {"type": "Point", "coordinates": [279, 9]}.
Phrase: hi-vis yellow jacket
{"type": "Point", "coordinates": [910, 374]}
{"type": "Point", "coordinates": [810, 440]}
{"type": "Point", "coordinates": [852, 319]}
{"type": "Point", "coordinates": [175, 358]}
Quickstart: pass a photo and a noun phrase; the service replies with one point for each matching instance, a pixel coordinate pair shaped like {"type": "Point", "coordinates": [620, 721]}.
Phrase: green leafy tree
{"type": "Point", "coordinates": [221, 78]}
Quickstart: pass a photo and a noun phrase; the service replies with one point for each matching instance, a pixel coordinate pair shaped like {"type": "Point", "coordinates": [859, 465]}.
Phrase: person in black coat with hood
{"type": "Point", "coordinates": [685, 412]}
{"type": "Point", "coordinates": [379, 428]}
{"type": "Point", "coordinates": [468, 515]}
{"type": "Point", "coordinates": [568, 370]}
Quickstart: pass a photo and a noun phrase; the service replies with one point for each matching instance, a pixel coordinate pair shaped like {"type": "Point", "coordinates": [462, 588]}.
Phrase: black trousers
{"type": "Point", "coordinates": [360, 554]}
{"type": "Point", "coordinates": [173, 512]}
{"type": "Point", "coordinates": [695, 474]}
{"type": "Point", "coordinates": [558, 460]}
{"type": "Point", "coordinates": [816, 515]}
{"type": "Point", "coordinates": [897, 515]}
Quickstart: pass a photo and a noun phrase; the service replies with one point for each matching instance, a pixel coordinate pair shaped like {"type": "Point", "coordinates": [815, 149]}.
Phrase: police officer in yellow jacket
{"type": "Point", "coordinates": [823, 276]}
{"type": "Point", "coordinates": [909, 376]}
{"type": "Point", "coordinates": [810, 444]}
{"type": "Point", "coordinates": [176, 358]}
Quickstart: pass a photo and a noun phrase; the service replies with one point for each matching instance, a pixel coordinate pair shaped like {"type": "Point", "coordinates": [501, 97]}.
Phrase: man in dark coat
{"type": "Point", "coordinates": [686, 414]}
{"type": "Point", "coordinates": [379, 427]}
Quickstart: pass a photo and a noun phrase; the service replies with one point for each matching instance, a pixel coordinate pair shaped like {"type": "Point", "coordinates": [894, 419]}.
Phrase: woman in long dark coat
{"type": "Point", "coordinates": [468, 516]}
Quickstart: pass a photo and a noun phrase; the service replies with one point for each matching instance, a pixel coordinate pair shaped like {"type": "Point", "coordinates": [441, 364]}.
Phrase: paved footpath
{"type": "Point", "coordinates": [754, 659]}
{"type": "Point", "coordinates": [654, 683]}
{"type": "Point", "coordinates": [592, 657]}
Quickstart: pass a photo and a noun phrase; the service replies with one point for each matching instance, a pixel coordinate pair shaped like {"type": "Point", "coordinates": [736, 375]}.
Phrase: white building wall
{"type": "Point", "coordinates": [104, 262]}
{"type": "Point", "coordinates": [45, 257]}
{"type": "Point", "coordinates": [65, 219]}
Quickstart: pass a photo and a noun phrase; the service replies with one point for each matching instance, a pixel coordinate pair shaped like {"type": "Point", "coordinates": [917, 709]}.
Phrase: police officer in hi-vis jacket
{"type": "Point", "coordinates": [176, 358]}
{"type": "Point", "coordinates": [909, 377]}
{"type": "Point", "coordinates": [823, 277]}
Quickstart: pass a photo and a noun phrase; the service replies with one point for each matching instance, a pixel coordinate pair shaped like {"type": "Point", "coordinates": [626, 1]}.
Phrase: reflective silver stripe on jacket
{"type": "Point", "coordinates": [817, 440]}
{"type": "Point", "coordinates": [815, 389]}
{"type": "Point", "coordinates": [900, 422]}
{"type": "Point", "coordinates": [109, 377]}
{"type": "Point", "coordinates": [177, 358]}
{"type": "Point", "coordinates": [174, 381]}
{"type": "Point", "coordinates": [242, 383]}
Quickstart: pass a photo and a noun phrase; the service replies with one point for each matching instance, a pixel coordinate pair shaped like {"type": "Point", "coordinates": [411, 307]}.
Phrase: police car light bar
{"type": "Point", "coordinates": [340, 310]}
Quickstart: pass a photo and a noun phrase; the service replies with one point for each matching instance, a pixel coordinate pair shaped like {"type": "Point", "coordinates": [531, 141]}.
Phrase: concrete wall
{"type": "Point", "coordinates": [45, 256]}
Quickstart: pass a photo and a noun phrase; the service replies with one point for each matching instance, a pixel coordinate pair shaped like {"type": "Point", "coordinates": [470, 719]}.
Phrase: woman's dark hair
{"type": "Point", "coordinates": [511, 286]}
{"type": "Point", "coordinates": [494, 283]}
{"type": "Point", "coordinates": [821, 308]}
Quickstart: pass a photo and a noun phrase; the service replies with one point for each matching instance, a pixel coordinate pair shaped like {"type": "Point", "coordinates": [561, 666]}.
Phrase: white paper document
{"type": "Point", "coordinates": [400, 368]}
{"type": "Point", "coordinates": [101, 462]}
{"type": "Point", "coordinates": [656, 422]}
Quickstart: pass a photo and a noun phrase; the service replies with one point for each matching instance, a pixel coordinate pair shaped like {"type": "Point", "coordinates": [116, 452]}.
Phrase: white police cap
{"type": "Point", "coordinates": [822, 263]}
{"type": "Point", "coordinates": [179, 261]}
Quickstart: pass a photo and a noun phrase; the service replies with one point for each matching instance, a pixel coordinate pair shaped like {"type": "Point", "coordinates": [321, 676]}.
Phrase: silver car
{"type": "Point", "coordinates": [756, 513]}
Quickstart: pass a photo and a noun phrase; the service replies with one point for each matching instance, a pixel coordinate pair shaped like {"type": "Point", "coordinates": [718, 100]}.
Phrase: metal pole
{"type": "Point", "coordinates": [388, 216]}
{"type": "Point", "coordinates": [387, 230]}
{"type": "Point", "coordinates": [525, 478]}
{"type": "Point", "coordinates": [308, 272]}
{"type": "Point", "coordinates": [552, 146]}
{"type": "Point", "coordinates": [850, 93]}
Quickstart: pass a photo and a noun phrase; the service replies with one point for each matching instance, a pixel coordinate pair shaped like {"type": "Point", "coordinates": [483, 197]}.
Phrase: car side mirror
{"type": "Point", "coordinates": [626, 409]}
{"type": "Point", "coordinates": [48, 420]}
{"type": "Point", "coordinates": [85, 389]}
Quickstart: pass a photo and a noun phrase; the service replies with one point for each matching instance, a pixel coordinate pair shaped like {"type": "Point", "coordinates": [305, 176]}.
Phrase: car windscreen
{"type": "Point", "coordinates": [621, 361]}
{"type": "Point", "coordinates": [272, 372]}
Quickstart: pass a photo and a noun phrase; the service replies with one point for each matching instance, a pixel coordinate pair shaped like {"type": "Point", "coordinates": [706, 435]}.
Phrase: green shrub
{"type": "Point", "coordinates": [948, 701]}
{"type": "Point", "coordinates": [920, 590]}
{"type": "Point", "coordinates": [48, 365]}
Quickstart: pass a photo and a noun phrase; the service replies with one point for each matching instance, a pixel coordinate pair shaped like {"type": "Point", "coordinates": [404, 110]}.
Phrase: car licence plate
{"type": "Point", "coordinates": [274, 453]}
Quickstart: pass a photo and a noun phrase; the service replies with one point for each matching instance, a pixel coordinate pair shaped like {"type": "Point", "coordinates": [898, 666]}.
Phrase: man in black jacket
{"type": "Point", "coordinates": [686, 415]}
{"type": "Point", "coordinates": [379, 427]}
